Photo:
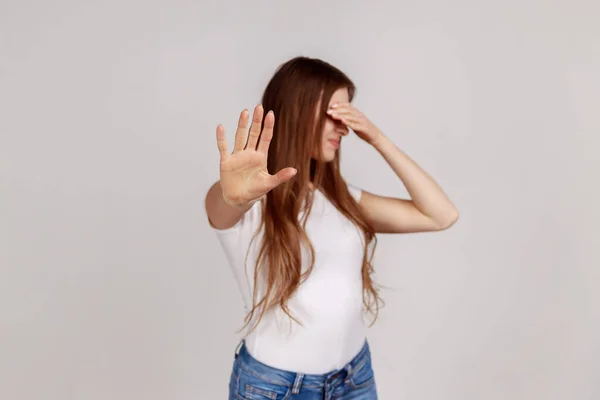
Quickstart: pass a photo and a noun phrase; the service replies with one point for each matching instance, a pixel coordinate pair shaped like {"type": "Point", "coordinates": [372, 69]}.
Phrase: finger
{"type": "Point", "coordinates": [352, 124]}
{"type": "Point", "coordinates": [336, 105]}
{"type": "Point", "coordinates": [267, 133]}
{"type": "Point", "coordinates": [349, 119]}
{"type": "Point", "coordinates": [342, 111]}
{"type": "Point", "coordinates": [222, 143]}
{"type": "Point", "coordinates": [240, 133]}
{"type": "Point", "coordinates": [345, 115]}
{"type": "Point", "coordinates": [342, 108]}
{"type": "Point", "coordinates": [282, 176]}
{"type": "Point", "coordinates": [255, 127]}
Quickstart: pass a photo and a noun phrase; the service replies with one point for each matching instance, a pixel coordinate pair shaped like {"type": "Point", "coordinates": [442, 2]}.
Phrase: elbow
{"type": "Point", "coordinates": [449, 221]}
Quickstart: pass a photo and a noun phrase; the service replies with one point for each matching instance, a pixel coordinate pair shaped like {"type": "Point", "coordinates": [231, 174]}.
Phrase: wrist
{"type": "Point", "coordinates": [237, 205]}
{"type": "Point", "coordinates": [379, 140]}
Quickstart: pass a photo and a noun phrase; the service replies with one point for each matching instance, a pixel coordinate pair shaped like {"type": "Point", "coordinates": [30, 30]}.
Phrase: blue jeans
{"type": "Point", "coordinates": [253, 380]}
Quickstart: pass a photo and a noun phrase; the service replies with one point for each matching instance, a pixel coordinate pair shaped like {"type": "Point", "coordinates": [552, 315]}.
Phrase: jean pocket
{"type": "Point", "coordinates": [362, 376]}
{"type": "Point", "coordinates": [251, 387]}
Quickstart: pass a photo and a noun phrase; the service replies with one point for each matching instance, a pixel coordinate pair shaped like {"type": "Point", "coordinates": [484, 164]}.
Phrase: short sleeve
{"type": "Point", "coordinates": [355, 191]}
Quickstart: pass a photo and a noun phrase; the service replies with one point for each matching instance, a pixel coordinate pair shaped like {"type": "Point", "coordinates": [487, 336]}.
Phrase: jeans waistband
{"type": "Point", "coordinates": [295, 379]}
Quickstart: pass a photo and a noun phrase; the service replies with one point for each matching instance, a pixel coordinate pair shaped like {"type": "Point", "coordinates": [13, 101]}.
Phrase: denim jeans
{"type": "Point", "coordinates": [253, 380]}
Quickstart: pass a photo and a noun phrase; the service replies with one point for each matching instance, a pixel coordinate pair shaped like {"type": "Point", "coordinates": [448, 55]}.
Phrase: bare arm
{"type": "Point", "coordinates": [429, 209]}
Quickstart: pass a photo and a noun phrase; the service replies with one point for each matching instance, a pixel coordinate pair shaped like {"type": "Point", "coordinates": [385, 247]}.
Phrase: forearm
{"type": "Point", "coordinates": [425, 193]}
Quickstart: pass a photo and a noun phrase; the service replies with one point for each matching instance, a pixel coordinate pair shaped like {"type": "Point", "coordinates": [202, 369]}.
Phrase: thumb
{"type": "Point", "coordinates": [282, 176]}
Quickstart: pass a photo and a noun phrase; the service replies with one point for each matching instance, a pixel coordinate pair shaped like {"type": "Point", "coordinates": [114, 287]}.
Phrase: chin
{"type": "Point", "coordinates": [327, 157]}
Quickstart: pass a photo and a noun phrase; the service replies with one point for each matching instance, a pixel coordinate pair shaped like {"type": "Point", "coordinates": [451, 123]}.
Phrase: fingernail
{"type": "Point", "coordinates": [334, 105]}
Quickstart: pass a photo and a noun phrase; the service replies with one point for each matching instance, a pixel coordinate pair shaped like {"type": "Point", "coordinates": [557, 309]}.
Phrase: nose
{"type": "Point", "coordinates": [341, 128]}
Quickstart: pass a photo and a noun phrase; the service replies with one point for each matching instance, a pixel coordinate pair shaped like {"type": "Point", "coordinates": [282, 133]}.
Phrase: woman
{"type": "Point", "coordinates": [298, 236]}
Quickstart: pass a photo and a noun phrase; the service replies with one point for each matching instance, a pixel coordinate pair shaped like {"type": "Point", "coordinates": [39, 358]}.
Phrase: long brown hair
{"type": "Point", "coordinates": [299, 93]}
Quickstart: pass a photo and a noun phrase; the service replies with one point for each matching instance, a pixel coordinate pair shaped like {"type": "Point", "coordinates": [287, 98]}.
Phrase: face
{"type": "Point", "coordinates": [333, 130]}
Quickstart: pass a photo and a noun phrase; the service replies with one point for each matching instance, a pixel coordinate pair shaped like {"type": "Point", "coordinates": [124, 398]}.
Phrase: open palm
{"type": "Point", "coordinates": [244, 175]}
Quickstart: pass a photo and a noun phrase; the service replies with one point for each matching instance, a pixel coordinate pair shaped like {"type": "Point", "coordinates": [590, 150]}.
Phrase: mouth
{"type": "Point", "coordinates": [335, 143]}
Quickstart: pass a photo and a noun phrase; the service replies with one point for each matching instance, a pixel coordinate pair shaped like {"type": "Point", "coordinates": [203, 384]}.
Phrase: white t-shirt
{"type": "Point", "coordinates": [328, 303]}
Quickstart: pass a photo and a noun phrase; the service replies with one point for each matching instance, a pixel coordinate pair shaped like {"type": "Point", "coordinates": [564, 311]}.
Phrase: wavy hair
{"type": "Point", "coordinates": [299, 93]}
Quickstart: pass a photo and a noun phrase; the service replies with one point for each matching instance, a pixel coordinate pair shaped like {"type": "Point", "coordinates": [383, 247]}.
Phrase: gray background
{"type": "Point", "coordinates": [112, 285]}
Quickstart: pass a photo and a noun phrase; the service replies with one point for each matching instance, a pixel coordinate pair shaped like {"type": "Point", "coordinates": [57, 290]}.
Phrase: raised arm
{"type": "Point", "coordinates": [429, 209]}
{"type": "Point", "coordinates": [244, 177]}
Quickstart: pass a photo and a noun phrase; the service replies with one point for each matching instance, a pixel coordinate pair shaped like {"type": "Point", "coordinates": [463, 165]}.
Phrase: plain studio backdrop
{"type": "Point", "coordinates": [112, 285]}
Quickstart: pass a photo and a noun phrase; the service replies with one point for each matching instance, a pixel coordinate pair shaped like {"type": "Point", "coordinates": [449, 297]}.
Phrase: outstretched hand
{"type": "Point", "coordinates": [244, 176]}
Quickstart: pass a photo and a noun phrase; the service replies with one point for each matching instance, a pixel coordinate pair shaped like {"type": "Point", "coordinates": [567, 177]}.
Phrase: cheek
{"type": "Point", "coordinates": [326, 130]}
{"type": "Point", "coordinates": [328, 126]}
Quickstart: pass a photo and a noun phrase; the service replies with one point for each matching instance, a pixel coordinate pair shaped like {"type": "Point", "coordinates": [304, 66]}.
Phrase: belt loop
{"type": "Point", "coordinates": [348, 369]}
{"type": "Point", "coordinates": [297, 383]}
{"type": "Point", "coordinates": [239, 346]}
